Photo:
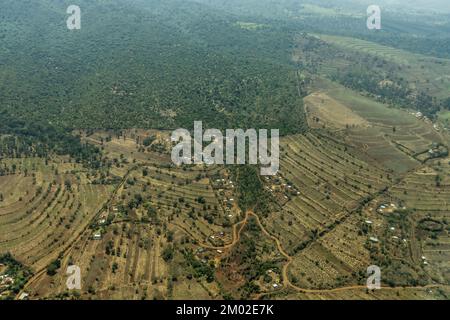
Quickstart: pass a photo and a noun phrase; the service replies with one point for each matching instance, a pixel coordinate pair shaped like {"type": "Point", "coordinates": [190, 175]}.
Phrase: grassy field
{"type": "Point", "coordinates": [390, 135]}
{"type": "Point", "coordinates": [427, 73]}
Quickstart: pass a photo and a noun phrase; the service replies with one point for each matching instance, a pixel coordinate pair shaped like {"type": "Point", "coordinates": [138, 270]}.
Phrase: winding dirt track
{"type": "Point", "coordinates": [236, 234]}
{"type": "Point", "coordinates": [286, 281]}
{"type": "Point", "coordinates": [237, 229]}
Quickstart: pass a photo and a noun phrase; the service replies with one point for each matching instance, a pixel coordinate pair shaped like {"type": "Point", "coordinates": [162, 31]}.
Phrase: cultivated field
{"type": "Point", "coordinates": [145, 229]}
{"type": "Point", "coordinates": [427, 73]}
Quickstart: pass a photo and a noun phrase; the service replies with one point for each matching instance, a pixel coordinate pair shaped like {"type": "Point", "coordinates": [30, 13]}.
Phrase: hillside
{"type": "Point", "coordinates": [87, 176]}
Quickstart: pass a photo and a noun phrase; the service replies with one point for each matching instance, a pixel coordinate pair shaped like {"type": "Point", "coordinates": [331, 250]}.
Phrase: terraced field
{"type": "Point", "coordinates": [45, 207]}
{"type": "Point", "coordinates": [427, 192]}
{"type": "Point", "coordinates": [427, 73]}
{"type": "Point", "coordinates": [431, 293]}
{"type": "Point", "coordinates": [391, 136]}
{"type": "Point", "coordinates": [156, 207]}
{"type": "Point", "coordinates": [333, 183]}
{"type": "Point", "coordinates": [144, 229]}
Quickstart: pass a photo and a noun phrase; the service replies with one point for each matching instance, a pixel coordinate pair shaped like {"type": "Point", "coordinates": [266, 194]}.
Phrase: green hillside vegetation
{"type": "Point", "coordinates": [385, 74]}
{"type": "Point", "coordinates": [162, 65]}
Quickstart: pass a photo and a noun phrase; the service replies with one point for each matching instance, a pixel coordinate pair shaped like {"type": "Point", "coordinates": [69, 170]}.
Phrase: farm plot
{"type": "Point", "coordinates": [134, 249]}
{"type": "Point", "coordinates": [375, 144]}
{"type": "Point", "coordinates": [392, 136]}
{"type": "Point", "coordinates": [423, 190]}
{"type": "Point", "coordinates": [333, 261]}
{"type": "Point", "coordinates": [134, 145]}
{"type": "Point", "coordinates": [323, 110]}
{"type": "Point", "coordinates": [126, 263]}
{"type": "Point", "coordinates": [426, 193]}
{"type": "Point", "coordinates": [432, 293]}
{"type": "Point", "coordinates": [427, 73]}
{"type": "Point", "coordinates": [186, 199]}
{"type": "Point", "coordinates": [44, 209]}
{"type": "Point", "coordinates": [331, 181]}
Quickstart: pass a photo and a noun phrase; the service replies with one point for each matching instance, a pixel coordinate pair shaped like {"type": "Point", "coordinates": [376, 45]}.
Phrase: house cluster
{"type": "Point", "coordinates": [5, 283]}
{"type": "Point", "coordinates": [276, 281]}
{"type": "Point", "coordinates": [219, 238]}
{"type": "Point", "coordinates": [225, 188]}
{"type": "Point", "coordinates": [280, 188]}
{"type": "Point", "coordinates": [392, 229]}
{"type": "Point", "coordinates": [203, 255]}
{"type": "Point", "coordinates": [388, 208]}
{"type": "Point", "coordinates": [200, 255]}
{"type": "Point", "coordinates": [97, 235]}
{"type": "Point", "coordinates": [419, 115]}
{"type": "Point", "coordinates": [224, 183]}
{"type": "Point", "coordinates": [101, 223]}
{"type": "Point", "coordinates": [437, 150]}
{"type": "Point", "coordinates": [373, 239]}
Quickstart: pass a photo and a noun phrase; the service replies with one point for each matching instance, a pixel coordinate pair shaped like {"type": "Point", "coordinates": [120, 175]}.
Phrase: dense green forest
{"type": "Point", "coordinates": [161, 65]}
{"type": "Point", "coordinates": [166, 63]}
{"type": "Point", "coordinates": [421, 26]}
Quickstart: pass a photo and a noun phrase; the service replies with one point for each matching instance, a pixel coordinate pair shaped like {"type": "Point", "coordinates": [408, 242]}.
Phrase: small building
{"type": "Point", "coordinates": [23, 296]}
{"type": "Point", "coordinates": [97, 236]}
{"type": "Point", "coordinates": [373, 239]}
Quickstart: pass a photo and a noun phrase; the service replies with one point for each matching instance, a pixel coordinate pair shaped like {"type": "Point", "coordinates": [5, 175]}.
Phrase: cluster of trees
{"type": "Point", "coordinates": [17, 271]}
{"type": "Point", "coordinates": [53, 267]}
{"type": "Point", "coordinates": [21, 138]}
{"type": "Point", "coordinates": [395, 91]}
{"type": "Point", "coordinates": [199, 268]}
{"type": "Point", "coordinates": [251, 193]}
